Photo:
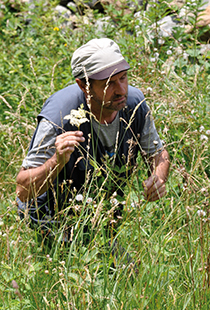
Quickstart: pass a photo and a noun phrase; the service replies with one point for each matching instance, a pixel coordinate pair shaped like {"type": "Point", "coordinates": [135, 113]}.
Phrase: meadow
{"type": "Point", "coordinates": [167, 241]}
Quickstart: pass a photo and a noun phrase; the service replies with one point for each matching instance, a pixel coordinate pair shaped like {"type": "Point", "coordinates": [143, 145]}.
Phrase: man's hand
{"type": "Point", "coordinates": [35, 181]}
{"type": "Point", "coordinates": [154, 188]}
{"type": "Point", "coordinates": [65, 145]}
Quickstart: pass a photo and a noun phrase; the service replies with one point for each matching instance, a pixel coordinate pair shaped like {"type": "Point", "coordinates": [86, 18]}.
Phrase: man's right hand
{"type": "Point", "coordinates": [33, 182]}
{"type": "Point", "coordinates": [65, 145]}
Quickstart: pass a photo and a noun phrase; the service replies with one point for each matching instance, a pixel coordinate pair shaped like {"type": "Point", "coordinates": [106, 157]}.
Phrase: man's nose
{"type": "Point", "coordinates": [121, 88]}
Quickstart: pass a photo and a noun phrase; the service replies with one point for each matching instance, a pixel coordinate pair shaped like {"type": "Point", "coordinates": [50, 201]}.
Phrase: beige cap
{"type": "Point", "coordinates": [100, 58]}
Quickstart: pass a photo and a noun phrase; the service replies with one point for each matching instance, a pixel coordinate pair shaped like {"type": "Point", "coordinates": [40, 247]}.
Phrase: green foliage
{"type": "Point", "coordinates": [153, 255]}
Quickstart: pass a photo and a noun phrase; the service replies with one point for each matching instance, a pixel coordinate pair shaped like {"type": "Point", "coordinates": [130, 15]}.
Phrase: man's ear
{"type": "Point", "coordinates": [81, 85]}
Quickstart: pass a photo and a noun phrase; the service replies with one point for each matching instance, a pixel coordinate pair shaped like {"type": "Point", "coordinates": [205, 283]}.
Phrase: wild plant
{"type": "Point", "coordinates": [162, 258]}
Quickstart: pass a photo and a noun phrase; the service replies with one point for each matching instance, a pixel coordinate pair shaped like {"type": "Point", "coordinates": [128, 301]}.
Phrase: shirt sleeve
{"type": "Point", "coordinates": [43, 146]}
{"type": "Point", "coordinates": [150, 141]}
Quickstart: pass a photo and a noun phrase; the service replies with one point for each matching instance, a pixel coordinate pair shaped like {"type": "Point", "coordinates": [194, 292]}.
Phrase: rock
{"type": "Point", "coordinates": [204, 49]}
{"type": "Point", "coordinates": [96, 5]}
{"type": "Point", "coordinates": [205, 4]}
{"type": "Point", "coordinates": [176, 4]}
{"type": "Point", "coordinates": [166, 26]}
{"type": "Point", "coordinates": [72, 7]}
{"type": "Point", "coordinates": [67, 17]}
{"type": "Point", "coordinates": [178, 14]}
{"type": "Point", "coordinates": [61, 11]}
{"type": "Point", "coordinates": [203, 20]}
{"type": "Point", "coordinates": [102, 24]}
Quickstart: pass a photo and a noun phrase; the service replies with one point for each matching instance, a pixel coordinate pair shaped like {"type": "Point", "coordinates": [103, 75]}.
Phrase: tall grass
{"type": "Point", "coordinates": [153, 256]}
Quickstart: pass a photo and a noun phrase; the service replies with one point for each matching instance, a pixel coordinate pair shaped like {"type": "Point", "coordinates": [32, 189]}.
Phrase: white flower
{"type": "Point", "coordinates": [76, 207]}
{"type": "Point", "coordinates": [208, 132]}
{"type": "Point", "coordinates": [1, 223]}
{"type": "Point", "coordinates": [133, 204]}
{"type": "Point", "coordinates": [114, 194]}
{"type": "Point", "coordinates": [149, 89]}
{"type": "Point", "coordinates": [179, 50]}
{"type": "Point", "coordinates": [153, 59]}
{"type": "Point", "coordinates": [54, 270]}
{"type": "Point", "coordinates": [161, 41]}
{"type": "Point", "coordinates": [77, 117]}
{"type": "Point", "coordinates": [89, 200]}
{"type": "Point", "coordinates": [201, 213]}
{"type": "Point", "coordinates": [156, 55]}
{"type": "Point", "coordinates": [155, 142]}
{"type": "Point", "coordinates": [169, 52]}
{"type": "Point", "coordinates": [201, 128]}
{"type": "Point", "coordinates": [62, 262]}
{"type": "Point", "coordinates": [203, 190]}
{"type": "Point", "coordinates": [185, 55]}
{"type": "Point", "coordinates": [79, 197]}
{"type": "Point", "coordinates": [203, 137]}
{"type": "Point", "coordinates": [114, 201]}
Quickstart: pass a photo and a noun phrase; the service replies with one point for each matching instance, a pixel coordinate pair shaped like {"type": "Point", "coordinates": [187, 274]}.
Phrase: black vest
{"type": "Point", "coordinates": [83, 160]}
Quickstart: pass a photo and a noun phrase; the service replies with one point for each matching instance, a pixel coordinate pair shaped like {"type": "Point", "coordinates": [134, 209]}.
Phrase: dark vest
{"type": "Point", "coordinates": [132, 119]}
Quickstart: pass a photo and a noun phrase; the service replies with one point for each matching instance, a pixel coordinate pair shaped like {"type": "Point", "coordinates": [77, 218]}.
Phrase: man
{"type": "Point", "coordinates": [118, 125]}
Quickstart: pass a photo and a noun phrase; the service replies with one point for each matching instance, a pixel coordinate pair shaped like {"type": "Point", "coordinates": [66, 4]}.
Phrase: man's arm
{"type": "Point", "coordinates": [154, 186]}
{"type": "Point", "coordinates": [33, 182]}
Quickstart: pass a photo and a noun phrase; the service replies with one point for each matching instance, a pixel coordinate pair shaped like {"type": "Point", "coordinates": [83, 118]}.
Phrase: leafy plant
{"type": "Point", "coordinates": [151, 255]}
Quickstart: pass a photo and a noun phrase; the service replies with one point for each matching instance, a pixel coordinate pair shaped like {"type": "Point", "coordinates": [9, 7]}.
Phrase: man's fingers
{"type": "Point", "coordinates": [154, 188]}
{"type": "Point", "coordinates": [66, 139]}
{"type": "Point", "coordinates": [150, 182]}
{"type": "Point", "coordinates": [65, 144]}
{"type": "Point", "coordinates": [156, 194]}
{"type": "Point", "coordinates": [70, 134]}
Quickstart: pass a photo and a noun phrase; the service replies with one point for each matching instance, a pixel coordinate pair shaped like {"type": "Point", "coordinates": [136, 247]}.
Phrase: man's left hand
{"type": "Point", "coordinates": [154, 188]}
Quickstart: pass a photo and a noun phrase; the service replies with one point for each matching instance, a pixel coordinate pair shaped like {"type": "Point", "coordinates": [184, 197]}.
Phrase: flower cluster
{"type": "Point", "coordinates": [77, 117]}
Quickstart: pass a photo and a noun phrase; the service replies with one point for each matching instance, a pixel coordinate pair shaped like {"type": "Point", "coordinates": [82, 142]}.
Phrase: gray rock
{"type": "Point", "coordinates": [62, 11]}
{"type": "Point", "coordinates": [102, 24]}
{"type": "Point", "coordinates": [72, 7]}
{"type": "Point", "coordinates": [204, 48]}
{"type": "Point", "coordinates": [205, 4]}
{"type": "Point", "coordinates": [166, 25]}
{"type": "Point", "coordinates": [64, 16]}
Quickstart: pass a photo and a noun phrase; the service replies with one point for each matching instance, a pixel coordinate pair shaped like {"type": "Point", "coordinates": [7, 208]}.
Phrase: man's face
{"type": "Point", "coordinates": [111, 94]}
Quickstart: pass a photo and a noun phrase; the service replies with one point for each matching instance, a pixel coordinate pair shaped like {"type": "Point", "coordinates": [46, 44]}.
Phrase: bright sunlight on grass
{"type": "Point", "coordinates": [163, 257]}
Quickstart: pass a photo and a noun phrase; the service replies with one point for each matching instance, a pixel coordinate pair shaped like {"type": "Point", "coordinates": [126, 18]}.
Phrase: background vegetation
{"type": "Point", "coordinates": [167, 241]}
